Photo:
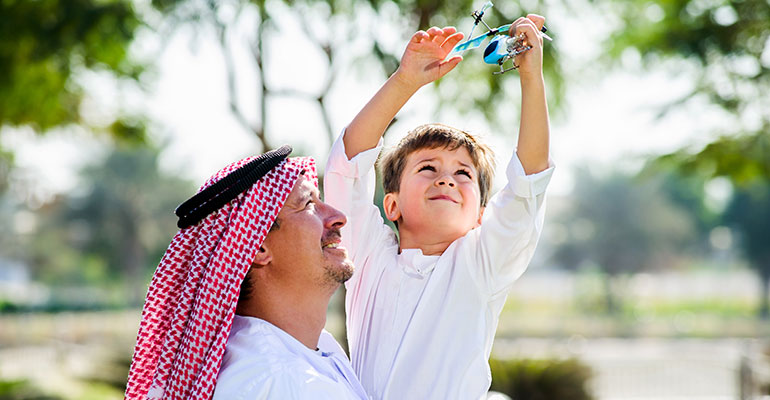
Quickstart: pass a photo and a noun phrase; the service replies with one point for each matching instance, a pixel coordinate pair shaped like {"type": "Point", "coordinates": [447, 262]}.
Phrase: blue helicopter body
{"type": "Point", "coordinates": [496, 50]}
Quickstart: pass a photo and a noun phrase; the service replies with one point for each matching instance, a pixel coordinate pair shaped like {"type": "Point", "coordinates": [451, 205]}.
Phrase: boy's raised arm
{"type": "Point", "coordinates": [423, 62]}
{"type": "Point", "coordinates": [534, 130]}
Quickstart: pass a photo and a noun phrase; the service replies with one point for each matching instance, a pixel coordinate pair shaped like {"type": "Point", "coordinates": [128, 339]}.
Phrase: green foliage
{"type": "Point", "coordinates": [623, 224]}
{"type": "Point", "coordinates": [728, 43]}
{"type": "Point", "coordinates": [724, 42]}
{"type": "Point", "coordinates": [749, 214]}
{"type": "Point", "coordinates": [472, 88]}
{"type": "Point", "coordinates": [741, 158]}
{"type": "Point", "coordinates": [6, 163]}
{"type": "Point", "coordinates": [619, 225]}
{"type": "Point", "coordinates": [541, 379]}
{"type": "Point", "coordinates": [43, 46]}
{"type": "Point", "coordinates": [116, 231]}
{"type": "Point", "coordinates": [22, 390]}
{"type": "Point", "coordinates": [112, 373]}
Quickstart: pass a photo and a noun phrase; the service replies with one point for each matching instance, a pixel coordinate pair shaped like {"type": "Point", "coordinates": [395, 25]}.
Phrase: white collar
{"type": "Point", "coordinates": [414, 262]}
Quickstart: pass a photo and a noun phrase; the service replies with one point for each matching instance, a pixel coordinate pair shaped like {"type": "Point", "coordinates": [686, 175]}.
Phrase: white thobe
{"type": "Point", "coordinates": [421, 327]}
{"type": "Point", "coordinates": [262, 361]}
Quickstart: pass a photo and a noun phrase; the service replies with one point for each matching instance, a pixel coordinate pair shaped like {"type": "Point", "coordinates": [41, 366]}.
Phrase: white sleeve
{"type": "Point", "coordinates": [349, 187]}
{"type": "Point", "coordinates": [502, 247]}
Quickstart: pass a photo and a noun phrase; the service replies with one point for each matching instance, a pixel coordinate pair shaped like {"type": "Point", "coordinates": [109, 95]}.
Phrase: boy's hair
{"type": "Point", "coordinates": [431, 136]}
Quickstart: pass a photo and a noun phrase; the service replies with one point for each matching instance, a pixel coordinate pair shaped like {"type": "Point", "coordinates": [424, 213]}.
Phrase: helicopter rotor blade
{"type": "Point", "coordinates": [470, 44]}
{"type": "Point", "coordinates": [476, 42]}
{"type": "Point", "coordinates": [502, 30]}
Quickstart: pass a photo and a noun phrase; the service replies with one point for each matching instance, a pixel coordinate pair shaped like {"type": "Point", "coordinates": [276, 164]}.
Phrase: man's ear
{"type": "Point", "coordinates": [481, 214]}
{"type": "Point", "coordinates": [264, 257]}
{"type": "Point", "coordinates": [390, 205]}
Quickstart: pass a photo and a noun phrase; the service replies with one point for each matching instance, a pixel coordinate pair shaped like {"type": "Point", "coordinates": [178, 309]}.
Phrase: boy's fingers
{"type": "Point", "coordinates": [449, 65]}
{"type": "Point", "coordinates": [449, 30]}
{"type": "Point", "coordinates": [529, 29]}
{"type": "Point", "coordinates": [512, 29]}
{"type": "Point", "coordinates": [433, 31]}
{"type": "Point", "coordinates": [539, 20]}
{"type": "Point", "coordinates": [419, 36]}
{"type": "Point", "coordinates": [452, 41]}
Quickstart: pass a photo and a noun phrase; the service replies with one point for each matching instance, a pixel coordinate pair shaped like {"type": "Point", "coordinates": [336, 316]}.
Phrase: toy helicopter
{"type": "Point", "coordinates": [502, 47]}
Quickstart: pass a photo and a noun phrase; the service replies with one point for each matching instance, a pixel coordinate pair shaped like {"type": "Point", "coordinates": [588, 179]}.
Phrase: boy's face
{"type": "Point", "coordinates": [438, 197]}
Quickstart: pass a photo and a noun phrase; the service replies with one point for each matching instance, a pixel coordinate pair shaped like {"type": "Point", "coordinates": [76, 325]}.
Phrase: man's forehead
{"type": "Point", "coordinates": [304, 186]}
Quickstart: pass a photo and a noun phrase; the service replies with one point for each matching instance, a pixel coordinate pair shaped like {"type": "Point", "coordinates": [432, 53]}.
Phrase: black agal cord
{"type": "Point", "coordinates": [220, 193]}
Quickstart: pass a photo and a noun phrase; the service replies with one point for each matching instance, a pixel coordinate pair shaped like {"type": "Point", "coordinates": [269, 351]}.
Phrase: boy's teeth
{"type": "Point", "coordinates": [331, 246]}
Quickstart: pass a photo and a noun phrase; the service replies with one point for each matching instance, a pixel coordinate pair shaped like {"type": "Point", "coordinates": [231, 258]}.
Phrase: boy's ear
{"type": "Point", "coordinates": [390, 205]}
{"type": "Point", "coordinates": [481, 214]}
{"type": "Point", "coordinates": [264, 257]}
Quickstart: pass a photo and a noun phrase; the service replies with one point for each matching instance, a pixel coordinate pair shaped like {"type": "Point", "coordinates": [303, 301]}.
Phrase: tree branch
{"type": "Point", "coordinates": [232, 87]}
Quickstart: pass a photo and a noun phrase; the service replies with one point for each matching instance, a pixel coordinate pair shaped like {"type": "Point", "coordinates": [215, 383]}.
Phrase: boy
{"type": "Point", "coordinates": [422, 309]}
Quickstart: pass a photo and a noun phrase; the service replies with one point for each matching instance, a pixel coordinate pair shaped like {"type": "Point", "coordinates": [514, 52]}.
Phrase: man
{"type": "Point", "coordinates": [257, 260]}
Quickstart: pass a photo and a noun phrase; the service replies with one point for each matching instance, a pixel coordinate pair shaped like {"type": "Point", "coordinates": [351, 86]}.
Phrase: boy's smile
{"type": "Point", "coordinates": [438, 198]}
{"type": "Point", "coordinates": [443, 197]}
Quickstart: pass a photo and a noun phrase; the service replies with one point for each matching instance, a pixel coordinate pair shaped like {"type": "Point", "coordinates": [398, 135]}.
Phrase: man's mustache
{"type": "Point", "coordinates": [332, 235]}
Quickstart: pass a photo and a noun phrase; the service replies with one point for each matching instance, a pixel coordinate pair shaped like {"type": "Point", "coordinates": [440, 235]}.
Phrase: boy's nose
{"type": "Point", "coordinates": [444, 180]}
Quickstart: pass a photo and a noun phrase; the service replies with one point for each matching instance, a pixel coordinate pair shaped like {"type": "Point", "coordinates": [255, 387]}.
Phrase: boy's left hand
{"type": "Point", "coordinates": [530, 62]}
{"type": "Point", "coordinates": [423, 60]}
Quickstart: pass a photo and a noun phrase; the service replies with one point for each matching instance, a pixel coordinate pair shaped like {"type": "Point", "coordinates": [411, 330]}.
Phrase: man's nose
{"type": "Point", "coordinates": [334, 217]}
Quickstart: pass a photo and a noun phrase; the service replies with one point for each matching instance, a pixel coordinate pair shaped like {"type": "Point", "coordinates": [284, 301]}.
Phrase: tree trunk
{"type": "Point", "coordinates": [609, 295]}
{"type": "Point", "coordinates": [764, 303]}
{"type": "Point", "coordinates": [134, 258]}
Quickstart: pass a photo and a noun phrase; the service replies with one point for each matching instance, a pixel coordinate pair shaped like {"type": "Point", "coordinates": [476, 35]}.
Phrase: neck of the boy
{"type": "Point", "coordinates": [434, 247]}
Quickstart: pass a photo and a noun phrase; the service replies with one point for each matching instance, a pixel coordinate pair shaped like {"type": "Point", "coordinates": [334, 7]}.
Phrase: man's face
{"type": "Point", "coordinates": [439, 194]}
{"type": "Point", "coordinates": [305, 247]}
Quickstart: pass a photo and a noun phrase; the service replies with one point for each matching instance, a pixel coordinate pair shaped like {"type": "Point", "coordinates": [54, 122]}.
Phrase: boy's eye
{"type": "Point", "coordinates": [463, 172]}
{"type": "Point", "coordinates": [426, 168]}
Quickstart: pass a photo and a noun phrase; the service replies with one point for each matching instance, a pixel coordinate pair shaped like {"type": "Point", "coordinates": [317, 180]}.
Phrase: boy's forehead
{"type": "Point", "coordinates": [459, 155]}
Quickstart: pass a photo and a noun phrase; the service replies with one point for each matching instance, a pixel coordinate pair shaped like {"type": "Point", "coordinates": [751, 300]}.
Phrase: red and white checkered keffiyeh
{"type": "Point", "coordinates": [191, 301]}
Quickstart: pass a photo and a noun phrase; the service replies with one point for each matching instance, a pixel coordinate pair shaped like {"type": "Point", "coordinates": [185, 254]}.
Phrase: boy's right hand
{"type": "Point", "coordinates": [530, 62]}
{"type": "Point", "coordinates": [423, 60]}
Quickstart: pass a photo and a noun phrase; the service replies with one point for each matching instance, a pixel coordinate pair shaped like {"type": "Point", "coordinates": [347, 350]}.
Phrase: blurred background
{"type": "Point", "coordinates": [651, 278]}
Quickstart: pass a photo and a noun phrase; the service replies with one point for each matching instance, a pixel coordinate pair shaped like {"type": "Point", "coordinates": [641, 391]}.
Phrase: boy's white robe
{"type": "Point", "coordinates": [422, 327]}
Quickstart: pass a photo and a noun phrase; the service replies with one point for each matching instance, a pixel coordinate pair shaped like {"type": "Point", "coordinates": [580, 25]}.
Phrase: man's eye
{"type": "Point", "coordinates": [463, 172]}
{"type": "Point", "coordinates": [426, 168]}
{"type": "Point", "coordinates": [309, 202]}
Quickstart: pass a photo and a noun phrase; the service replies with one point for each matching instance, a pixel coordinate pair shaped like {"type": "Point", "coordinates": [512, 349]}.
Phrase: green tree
{"type": "Point", "coordinates": [335, 29]}
{"type": "Point", "coordinates": [749, 215]}
{"type": "Point", "coordinates": [114, 232]}
{"type": "Point", "coordinates": [725, 47]}
{"type": "Point", "coordinates": [621, 226]}
{"type": "Point", "coordinates": [46, 45]}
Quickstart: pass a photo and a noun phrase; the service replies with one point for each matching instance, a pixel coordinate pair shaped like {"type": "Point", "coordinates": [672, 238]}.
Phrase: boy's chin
{"type": "Point", "coordinates": [446, 232]}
